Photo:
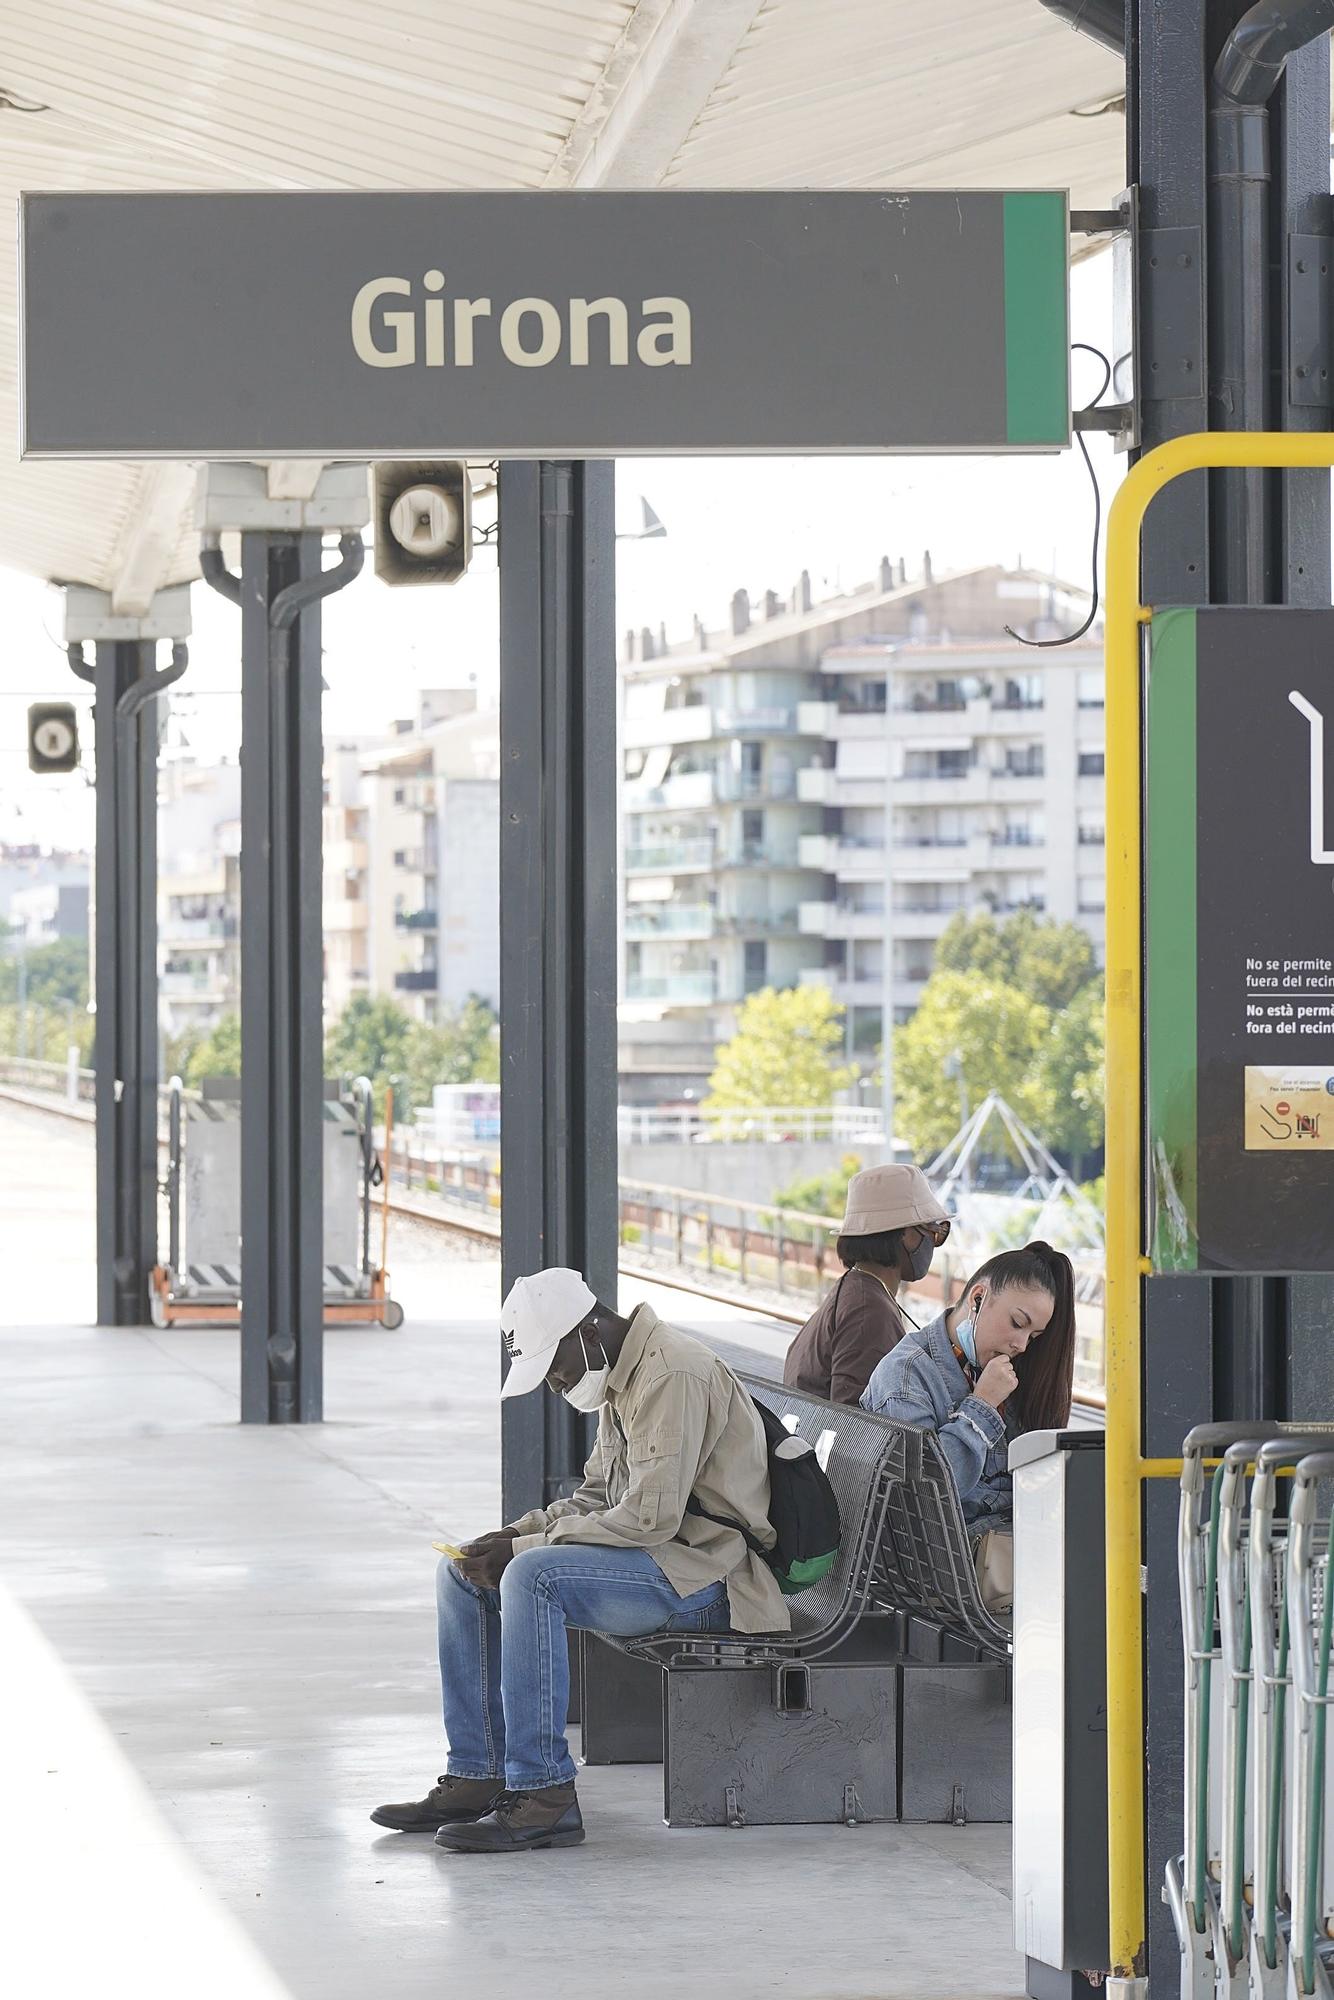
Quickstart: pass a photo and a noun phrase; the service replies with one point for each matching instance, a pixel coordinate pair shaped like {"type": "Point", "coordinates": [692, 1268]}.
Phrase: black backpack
{"type": "Point", "coordinates": [803, 1511]}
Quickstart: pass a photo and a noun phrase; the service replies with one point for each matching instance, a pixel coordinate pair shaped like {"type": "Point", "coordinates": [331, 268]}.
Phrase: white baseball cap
{"type": "Point", "coordinates": [537, 1314]}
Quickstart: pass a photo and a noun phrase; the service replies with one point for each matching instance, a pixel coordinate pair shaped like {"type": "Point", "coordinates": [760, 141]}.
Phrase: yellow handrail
{"type": "Point", "coordinates": [1126, 1467]}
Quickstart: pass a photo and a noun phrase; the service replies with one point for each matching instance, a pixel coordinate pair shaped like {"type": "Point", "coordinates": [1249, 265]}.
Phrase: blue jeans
{"type": "Point", "coordinates": [504, 1660]}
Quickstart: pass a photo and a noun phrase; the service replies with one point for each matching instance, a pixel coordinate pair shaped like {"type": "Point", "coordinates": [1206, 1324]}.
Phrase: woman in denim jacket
{"type": "Point", "coordinates": [999, 1362]}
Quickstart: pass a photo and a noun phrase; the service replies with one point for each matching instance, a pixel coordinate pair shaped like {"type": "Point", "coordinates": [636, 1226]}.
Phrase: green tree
{"type": "Point", "coordinates": [1049, 961]}
{"type": "Point", "coordinates": [997, 1033]}
{"type": "Point", "coordinates": [55, 973]}
{"type": "Point", "coordinates": [373, 1037]}
{"type": "Point", "coordinates": [821, 1194]}
{"type": "Point", "coordinates": [782, 1054]}
{"type": "Point", "coordinates": [972, 941]}
{"type": "Point", "coordinates": [464, 1047]}
{"type": "Point", "coordinates": [1069, 1078]}
{"type": "Point", "coordinates": [217, 1054]}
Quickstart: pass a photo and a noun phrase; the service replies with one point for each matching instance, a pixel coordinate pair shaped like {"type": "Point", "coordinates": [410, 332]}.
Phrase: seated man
{"type": "Point", "coordinates": [622, 1556]}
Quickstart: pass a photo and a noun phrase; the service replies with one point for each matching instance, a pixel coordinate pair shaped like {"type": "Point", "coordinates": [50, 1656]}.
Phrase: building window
{"type": "Point", "coordinates": [400, 857]}
{"type": "Point", "coordinates": [1089, 687]}
{"type": "Point", "coordinates": [400, 793]}
{"type": "Point", "coordinates": [756, 964]}
{"type": "Point", "coordinates": [1021, 691]}
{"type": "Point", "coordinates": [1092, 830]}
{"type": "Point", "coordinates": [752, 835]}
{"type": "Point", "coordinates": [1092, 896]}
{"type": "Point", "coordinates": [1092, 763]}
{"type": "Point", "coordinates": [1026, 760]}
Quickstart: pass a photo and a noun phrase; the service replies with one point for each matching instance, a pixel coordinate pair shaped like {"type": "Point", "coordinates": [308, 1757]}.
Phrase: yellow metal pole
{"type": "Point", "coordinates": [1126, 1467]}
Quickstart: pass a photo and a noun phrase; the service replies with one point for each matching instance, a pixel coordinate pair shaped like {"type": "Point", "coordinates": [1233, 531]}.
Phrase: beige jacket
{"type": "Point", "coordinates": [676, 1421]}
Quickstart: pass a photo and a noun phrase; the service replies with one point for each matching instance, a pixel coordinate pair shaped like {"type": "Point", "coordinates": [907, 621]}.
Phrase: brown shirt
{"type": "Point", "coordinates": [847, 1335]}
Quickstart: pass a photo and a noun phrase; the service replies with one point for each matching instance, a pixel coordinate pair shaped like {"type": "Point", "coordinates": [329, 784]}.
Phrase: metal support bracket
{"type": "Point", "coordinates": [1171, 314]}
{"type": "Point", "coordinates": [852, 1807]}
{"type": "Point", "coordinates": [1098, 221]}
{"type": "Point", "coordinates": [1310, 361]}
{"type": "Point", "coordinates": [736, 1819]}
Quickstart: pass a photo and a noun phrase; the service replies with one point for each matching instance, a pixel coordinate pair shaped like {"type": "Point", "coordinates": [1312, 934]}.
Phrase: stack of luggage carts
{"type": "Point", "coordinates": [1252, 1893]}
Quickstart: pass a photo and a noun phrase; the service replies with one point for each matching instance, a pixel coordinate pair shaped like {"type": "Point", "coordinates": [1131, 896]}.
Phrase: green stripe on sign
{"type": "Point", "coordinates": [1170, 835]}
{"type": "Point", "coordinates": [1037, 328]}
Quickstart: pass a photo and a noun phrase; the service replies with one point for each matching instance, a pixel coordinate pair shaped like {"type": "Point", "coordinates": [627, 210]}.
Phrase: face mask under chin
{"type": "Point", "coordinates": [589, 1393]}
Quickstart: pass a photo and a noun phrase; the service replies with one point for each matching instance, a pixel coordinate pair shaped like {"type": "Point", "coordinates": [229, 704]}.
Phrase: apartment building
{"type": "Point", "coordinates": [44, 892]}
{"type": "Point", "coordinates": [759, 768]}
{"type": "Point", "coordinates": [432, 837]}
{"type": "Point", "coordinates": [346, 910]}
{"type": "Point", "coordinates": [198, 895]}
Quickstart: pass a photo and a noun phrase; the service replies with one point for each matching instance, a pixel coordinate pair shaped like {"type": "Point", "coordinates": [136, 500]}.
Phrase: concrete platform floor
{"type": "Point", "coordinates": [218, 1656]}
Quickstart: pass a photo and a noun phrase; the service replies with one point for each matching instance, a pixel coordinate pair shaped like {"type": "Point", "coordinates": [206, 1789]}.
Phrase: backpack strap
{"type": "Point", "coordinates": [753, 1543]}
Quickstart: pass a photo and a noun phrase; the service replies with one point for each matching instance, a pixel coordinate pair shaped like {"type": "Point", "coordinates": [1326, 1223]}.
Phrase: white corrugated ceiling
{"type": "Point", "coordinates": [507, 93]}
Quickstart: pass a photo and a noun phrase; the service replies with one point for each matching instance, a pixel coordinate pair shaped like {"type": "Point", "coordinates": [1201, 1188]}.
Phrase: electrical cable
{"type": "Point", "coordinates": [1069, 638]}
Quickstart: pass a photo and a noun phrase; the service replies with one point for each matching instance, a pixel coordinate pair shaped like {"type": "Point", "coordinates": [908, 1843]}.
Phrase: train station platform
{"type": "Point", "coordinates": [220, 1655]}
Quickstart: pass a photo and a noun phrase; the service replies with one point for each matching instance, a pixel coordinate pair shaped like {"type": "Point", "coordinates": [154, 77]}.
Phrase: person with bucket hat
{"type": "Point", "coordinates": [667, 1532]}
{"type": "Point", "coordinates": [892, 1228]}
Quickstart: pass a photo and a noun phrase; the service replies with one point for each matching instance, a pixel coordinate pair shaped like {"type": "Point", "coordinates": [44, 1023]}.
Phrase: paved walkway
{"type": "Point", "coordinates": [218, 1647]}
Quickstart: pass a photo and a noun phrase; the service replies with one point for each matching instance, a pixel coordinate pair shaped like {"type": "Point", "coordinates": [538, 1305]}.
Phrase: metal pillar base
{"type": "Point", "coordinates": [557, 919]}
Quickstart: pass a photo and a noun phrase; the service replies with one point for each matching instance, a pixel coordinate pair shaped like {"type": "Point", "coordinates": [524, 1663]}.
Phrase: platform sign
{"type": "Point", "coordinates": [553, 325]}
{"type": "Point", "coordinates": [1240, 940]}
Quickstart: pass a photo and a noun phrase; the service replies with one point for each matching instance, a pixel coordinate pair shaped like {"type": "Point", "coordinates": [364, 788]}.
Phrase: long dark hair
{"type": "Point", "coordinates": [1046, 1370]}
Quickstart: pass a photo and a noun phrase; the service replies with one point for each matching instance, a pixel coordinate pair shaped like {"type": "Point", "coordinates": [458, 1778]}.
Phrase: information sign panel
{"type": "Point", "coordinates": [1240, 940]}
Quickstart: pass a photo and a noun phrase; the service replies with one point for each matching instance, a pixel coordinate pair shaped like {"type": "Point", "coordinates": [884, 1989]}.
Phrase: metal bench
{"type": "Point", "coordinates": [889, 1697]}
{"type": "Point", "coordinates": [924, 1564]}
{"type": "Point", "coordinates": [867, 1461]}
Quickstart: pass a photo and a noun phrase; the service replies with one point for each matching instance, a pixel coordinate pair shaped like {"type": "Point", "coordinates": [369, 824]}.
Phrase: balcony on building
{"type": "Point", "coordinates": [416, 920]}
{"type": "Point", "coordinates": [671, 857]}
{"type": "Point", "coordinates": [646, 921]}
{"type": "Point", "coordinates": [421, 979]}
{"type": "Point", "coordinates": [680, 989]}
{"type": "Point", "coordinates": [1018, 691]}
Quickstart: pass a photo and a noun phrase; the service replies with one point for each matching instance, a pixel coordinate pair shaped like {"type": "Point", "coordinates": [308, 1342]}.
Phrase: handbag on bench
{"type": "Point", "coordinates": [993, 1560]}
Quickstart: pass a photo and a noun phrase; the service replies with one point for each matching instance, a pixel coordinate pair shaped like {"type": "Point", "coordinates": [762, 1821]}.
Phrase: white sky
{"type": "Point", "coordinates": [730, 523]}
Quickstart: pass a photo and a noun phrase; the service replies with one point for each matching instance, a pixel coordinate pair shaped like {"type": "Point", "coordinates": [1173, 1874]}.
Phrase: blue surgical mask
{"type": "Point", "coordinates": [966, 1335]}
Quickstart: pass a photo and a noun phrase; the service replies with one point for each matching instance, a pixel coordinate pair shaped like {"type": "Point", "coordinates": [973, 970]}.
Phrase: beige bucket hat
{"type": "Point", "coordinates": [891, 1197]}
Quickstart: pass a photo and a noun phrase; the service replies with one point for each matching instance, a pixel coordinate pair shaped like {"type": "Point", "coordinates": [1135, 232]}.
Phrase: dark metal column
{"type": "Point", "coordinates": [125, 968]}
{"type": "Point", "coordinates": [282, 974]}
{"type": "Point", "coordinates": [1232, 215]}
{"type": "Point", "coordinates": [557, 917]}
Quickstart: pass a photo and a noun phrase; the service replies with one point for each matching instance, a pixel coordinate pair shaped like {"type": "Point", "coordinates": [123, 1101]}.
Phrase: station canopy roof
{"type": "Point", "coordinates": [523, 94]}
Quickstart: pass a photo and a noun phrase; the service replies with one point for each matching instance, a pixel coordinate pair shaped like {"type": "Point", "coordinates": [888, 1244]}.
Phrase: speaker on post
{"type": "Point", "coordinates": [423, 520]}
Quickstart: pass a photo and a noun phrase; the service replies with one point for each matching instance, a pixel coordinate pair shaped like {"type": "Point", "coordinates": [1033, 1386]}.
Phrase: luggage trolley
{"type": "Point", "coordinates": [1310, 1814]}
{"type": "Point", "coordinates": [1230, 1891]}
{"type": "Point", "coordinates": [200, 1282]}
{"type": "Point", "coordinates": [1270, 1711]}
{"type": "Point", "coordinates": [1206, 1885]}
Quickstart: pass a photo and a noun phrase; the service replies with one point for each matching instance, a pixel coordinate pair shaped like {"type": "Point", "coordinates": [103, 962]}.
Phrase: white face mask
{"type": "Point", "coordinates": [590, 1391]}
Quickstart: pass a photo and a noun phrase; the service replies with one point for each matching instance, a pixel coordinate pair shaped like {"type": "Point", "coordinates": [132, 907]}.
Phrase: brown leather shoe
{"type": "Point", "coordinates": [549, 1818]}
{"type": "Point", "coordinates": [450, 1802]}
